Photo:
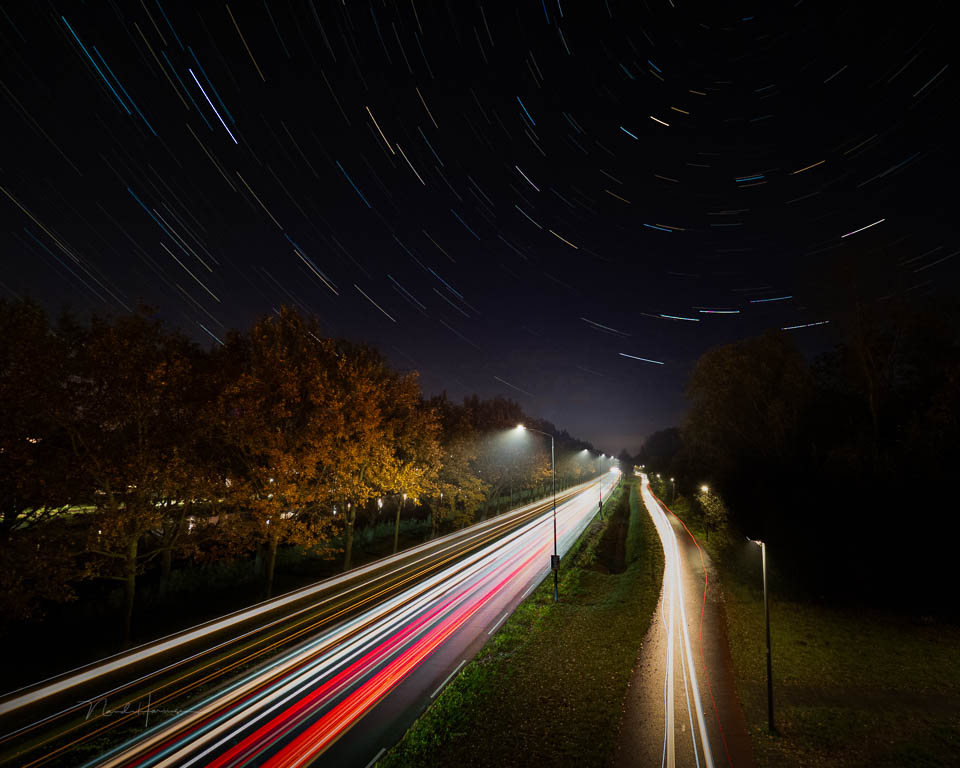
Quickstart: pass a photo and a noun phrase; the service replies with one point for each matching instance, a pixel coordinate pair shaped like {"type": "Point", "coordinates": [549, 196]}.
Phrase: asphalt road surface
{"type": "Point", "coordinates": [332, 674]}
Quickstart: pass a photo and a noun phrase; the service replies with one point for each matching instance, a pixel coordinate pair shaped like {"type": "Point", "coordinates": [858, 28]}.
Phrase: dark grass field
{"type": "Point", "coordinates": [852, 686]}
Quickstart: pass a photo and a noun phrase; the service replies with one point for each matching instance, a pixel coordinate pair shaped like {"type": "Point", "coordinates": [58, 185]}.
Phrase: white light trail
{"type": "Point", "coordinates": [644, 359]}
{"type": "Point", "coordinates": [374, 303]}
{"type": "Point", "coordinates": [527, 178]}
{"type": "Point", "coordinates": [862, 228]}
{"type": "Point", "coordinates": [333, 669]}
{"type": "Point", "coordinates": [411, 165]}
{"type": "Point", "coordinates": [677, 616]}
{"type": "Point", "coordinates": [212, 107]}
{"type": "Point", "coordinates": [389, 567]}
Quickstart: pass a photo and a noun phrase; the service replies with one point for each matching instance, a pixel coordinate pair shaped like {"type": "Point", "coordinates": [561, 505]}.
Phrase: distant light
{"type": "Point", "coordinates": [521, 427]}
{"type": "Point", "coordinates": [705, 488]}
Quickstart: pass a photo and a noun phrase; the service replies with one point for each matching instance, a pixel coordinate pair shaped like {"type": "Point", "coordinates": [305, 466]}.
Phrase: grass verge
{"type": "Point", "coordinates": [547, 688]}
{"type": "Point", "coordinates": [851, 687]}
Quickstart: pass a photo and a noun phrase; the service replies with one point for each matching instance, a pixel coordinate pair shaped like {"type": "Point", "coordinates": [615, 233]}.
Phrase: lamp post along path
{"type": "Point", "coordinates": [555, 559]}
{"type": "Point", "coordinates": [766, 616]}
{"type": "Point", "coordinates": [766, 619]}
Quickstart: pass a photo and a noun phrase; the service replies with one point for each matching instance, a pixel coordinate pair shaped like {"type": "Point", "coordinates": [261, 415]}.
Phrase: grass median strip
{"type": "Point", "coordinates": [548, 686]}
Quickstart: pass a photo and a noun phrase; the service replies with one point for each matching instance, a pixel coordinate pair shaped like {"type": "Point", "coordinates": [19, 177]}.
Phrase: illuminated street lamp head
{"type": "Point", "coordinates": [755, 541]}
{"type": "Point", "coordinates": [705, 488]}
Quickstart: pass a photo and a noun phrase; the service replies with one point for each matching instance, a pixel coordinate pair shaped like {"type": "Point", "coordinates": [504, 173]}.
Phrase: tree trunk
{"type": "Point", "coordinates": [271, 564]}
{"type": "Point", "coordinates": [166, 563]}
{"type": "Point", "coordinates": [396, 526]}
{"type": "Point", "coordinates": [348, 538]}
{"type": "Point", "coordinates": [129, 588]}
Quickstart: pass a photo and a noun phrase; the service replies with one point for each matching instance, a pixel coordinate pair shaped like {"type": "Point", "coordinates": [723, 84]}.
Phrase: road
{"type": "Point", "coordinates": [681, 708]}
{"type": "Point", "coordinates": [331, 674]}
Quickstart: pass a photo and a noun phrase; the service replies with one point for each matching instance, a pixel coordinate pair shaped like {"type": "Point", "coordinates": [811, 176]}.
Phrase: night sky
{"type": "Point", "coordinates": [516, 198]}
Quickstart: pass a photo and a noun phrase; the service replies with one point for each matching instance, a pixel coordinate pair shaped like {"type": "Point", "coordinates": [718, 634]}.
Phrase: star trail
{"type": "Point", "coordinates": [486, 177]}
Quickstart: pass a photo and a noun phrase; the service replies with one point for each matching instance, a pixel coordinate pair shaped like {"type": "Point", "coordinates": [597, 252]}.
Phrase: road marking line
{"type": "Point", "coordinates": [376, 757]}
{"type": "Point", "coordinates": [440, 688]}
{"type": "Point", "coordinates": [532, 587]}
{"type": "Point", "coordinates": [498, 623]}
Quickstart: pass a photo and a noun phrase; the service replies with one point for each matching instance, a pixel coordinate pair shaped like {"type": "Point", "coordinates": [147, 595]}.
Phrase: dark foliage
{"type": "Point", "coordinates": [844, 465]}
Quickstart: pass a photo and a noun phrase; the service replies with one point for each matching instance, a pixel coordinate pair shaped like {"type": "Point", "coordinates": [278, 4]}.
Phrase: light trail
{"type": "Point", "coordinates": [149, 651]}
{"type": "Point", "coordinates": [380, 622]}
{"type": "Point", "coordinates": [212, 107]}
{"type": "Point", "coordinates": [879, 221]}
{"type": "Point", "coordinates": [676, 622]}
{"type": "Point", "coordinates": [288, 712]}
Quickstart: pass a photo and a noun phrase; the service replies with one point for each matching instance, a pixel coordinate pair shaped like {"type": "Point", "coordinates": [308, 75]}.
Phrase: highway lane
{"type": "Point", "coordinates": [342, 612]}
{"type": "Point", "coordinates": [327, 687]}
{"type": "Point", "coordinates": [390, 719]}
{"type": "Point", "coordinates": [681, 708]}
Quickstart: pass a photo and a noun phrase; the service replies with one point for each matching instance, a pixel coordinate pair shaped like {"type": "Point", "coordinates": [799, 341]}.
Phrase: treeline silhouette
{"type": "Point", "coordinates": [844, 465]}
{"type": "Point", "coordinates": [127, 449]}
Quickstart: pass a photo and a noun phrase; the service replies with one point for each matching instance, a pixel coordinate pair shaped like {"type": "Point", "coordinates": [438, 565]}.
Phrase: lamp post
{"type": "Point", "coordinates": [766, 616]}
{"type": "Point", "coordinates": [602, 456]}
{"type": "Point", "coordinates": [555, 560]}
{"type": "Point", "coordinates": [673, 490]}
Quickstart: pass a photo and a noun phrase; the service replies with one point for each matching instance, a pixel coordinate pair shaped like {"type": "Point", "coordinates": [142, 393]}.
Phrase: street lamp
{"type": "Point", "coordinates": [602, 457]}
{"type": "Point", "coordinates": [673, 491]}
{"type": "Point", "coordinates": [555, 560]}
{"type": "Point", "coordinates": [766, 616]}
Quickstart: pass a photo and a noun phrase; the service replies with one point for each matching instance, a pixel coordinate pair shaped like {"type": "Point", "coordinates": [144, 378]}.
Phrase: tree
{"type": "Point", "coordinates": [713, 510]}
{"type": "Point", "coordinates": [282, 418]}
{"type": "Point", "coordinates": [460, 490]}
{"type": "Point", "coordinates": [506, 458]}
{"type": "Point", "coordinates": [38, 483]}
{"type": "Point", "coordinates": [748, 419]}
{"type": "Point", "coordinates": [409, 447]}
{"type": "Point", "coordinates": [127, 421]}
{"type": "Point", "coordinates": [660, 449]}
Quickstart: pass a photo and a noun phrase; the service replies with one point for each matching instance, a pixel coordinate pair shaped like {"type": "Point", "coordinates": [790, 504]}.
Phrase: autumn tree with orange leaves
{"type": "Point", "coordinates": [278, 411]}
